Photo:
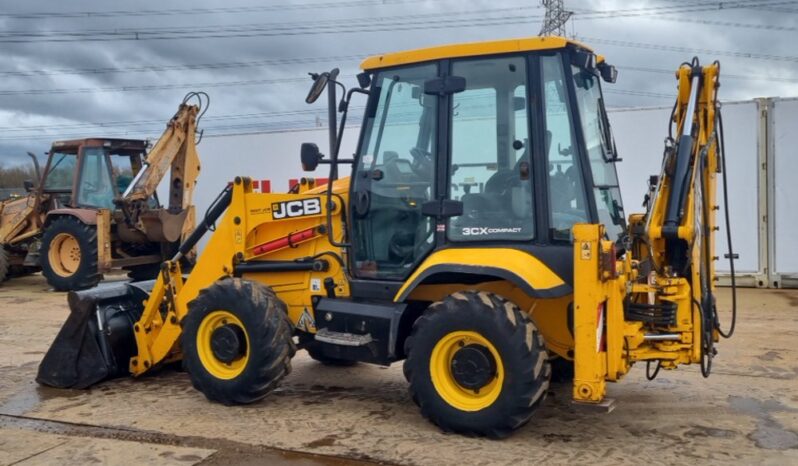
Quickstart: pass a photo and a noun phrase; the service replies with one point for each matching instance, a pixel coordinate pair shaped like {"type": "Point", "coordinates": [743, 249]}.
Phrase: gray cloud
{"type": "Point", "coordinates": [20, 113]}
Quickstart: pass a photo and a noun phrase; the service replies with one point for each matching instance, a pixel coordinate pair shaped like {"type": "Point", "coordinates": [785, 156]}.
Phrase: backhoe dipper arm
{"type": "Point", "coordinates": [657, 303]}
{"type": "Point", "coordinates": [176, 150]}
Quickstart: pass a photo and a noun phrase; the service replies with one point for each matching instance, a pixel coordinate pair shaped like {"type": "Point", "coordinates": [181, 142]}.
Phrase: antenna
{"type": "Point", "coordinates": [556, 16]}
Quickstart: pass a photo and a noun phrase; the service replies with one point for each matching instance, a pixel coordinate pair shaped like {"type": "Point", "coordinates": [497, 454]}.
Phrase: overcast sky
{"type": "Point", "coordinates": [82, 68]}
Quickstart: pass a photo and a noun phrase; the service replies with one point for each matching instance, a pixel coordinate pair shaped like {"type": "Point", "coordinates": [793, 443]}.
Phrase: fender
{"type": "Point", "coordinates": [87, 216]}
{"type": "Point", "coordinates": [518, 267]}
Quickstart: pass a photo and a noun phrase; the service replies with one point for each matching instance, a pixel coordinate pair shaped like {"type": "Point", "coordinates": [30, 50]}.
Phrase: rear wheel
{"type": "Point", "coordinates": [476, 365]}
{"type": "Point", "coordinates": [237, 342]}
{"type": "Point", "coordinates": [69, 255]}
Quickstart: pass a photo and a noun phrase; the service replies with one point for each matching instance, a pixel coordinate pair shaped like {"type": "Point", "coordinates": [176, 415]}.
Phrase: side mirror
{"type": "Point", "coordinates": [29, 186]}
{"type": "Point", "coordinates": [319, 83]}
{"type": "Point", "coordinates": [608, 72]}
{"type": "Point", "coordinates": [310, 156]}
{"type": "Point", "coordinates": [584, 59]}
{"type": "Point", "coordinates": [364, 80]}
{"type": "Point", "coordinates": [445, 85]}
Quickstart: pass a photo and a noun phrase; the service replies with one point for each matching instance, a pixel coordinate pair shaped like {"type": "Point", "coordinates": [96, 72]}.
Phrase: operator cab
{"type": "Point", "coordinates": [91, 173]}
{"type": "Point", "coordinates": [519, 142]}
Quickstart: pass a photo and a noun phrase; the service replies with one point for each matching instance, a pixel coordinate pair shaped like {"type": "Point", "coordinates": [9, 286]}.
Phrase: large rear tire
{"type": "Point", "coordinates": [237, 341]}
{"type": "Point", "coordinates": [68, 255]}
{"type": "Point", "coordinates": [476, 365]}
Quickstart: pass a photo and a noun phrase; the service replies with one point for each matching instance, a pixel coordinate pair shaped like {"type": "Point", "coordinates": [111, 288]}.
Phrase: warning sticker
{"type": "Point", "coordinates": [306, 322]}
{"type": "Point", "coordinates": [586, 252]}
{"type": "Point", "coordinates": [315, 284]}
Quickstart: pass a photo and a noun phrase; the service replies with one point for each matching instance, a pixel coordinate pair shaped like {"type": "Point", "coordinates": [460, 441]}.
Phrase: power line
{"type": "Point", "coordinates": [681, 19]}
{"type": "Point", "coordinates": [157, 87]}
{"type": "Point", "coordinates": [311, 112]}
{"type": "Point", "coordinates": [785, 79]}
{"type": "Point", "coordinates": [326, 27]}
{"type": "Point", "coordinates": [282, 25]}
{"type": "Point", "coordinates": [201, 11]}
{"type": "Point", "coordinates": [280, 31]}
{"type": "Point", "coordinates": [672, 48]}
{"type": "Point", "coordinates": [139, 69]}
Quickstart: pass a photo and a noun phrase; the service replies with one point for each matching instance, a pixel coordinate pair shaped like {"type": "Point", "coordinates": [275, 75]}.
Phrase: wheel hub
{"type": "Point", "coordinates": [473, 366]}
{"type": "Point", "coordinates": [228, 342]}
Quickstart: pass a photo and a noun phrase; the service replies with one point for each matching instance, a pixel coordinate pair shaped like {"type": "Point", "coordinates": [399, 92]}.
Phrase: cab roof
{"type": "Point", "coordinates": [469, 49]}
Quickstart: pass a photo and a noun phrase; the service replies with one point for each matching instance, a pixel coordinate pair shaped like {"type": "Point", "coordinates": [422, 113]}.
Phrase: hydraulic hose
{"type": "Point", "coordinates": [214, 212]}
{"type": "Point", "coordinates": [730, 252]}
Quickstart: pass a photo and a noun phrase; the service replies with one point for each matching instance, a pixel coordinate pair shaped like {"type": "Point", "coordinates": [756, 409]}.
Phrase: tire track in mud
{"type": "Point", "coordinates": [227, 451]}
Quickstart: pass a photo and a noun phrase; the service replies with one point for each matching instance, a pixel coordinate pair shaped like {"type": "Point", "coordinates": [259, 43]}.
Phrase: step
{"type": "Point", "coordinates": [343, 339]}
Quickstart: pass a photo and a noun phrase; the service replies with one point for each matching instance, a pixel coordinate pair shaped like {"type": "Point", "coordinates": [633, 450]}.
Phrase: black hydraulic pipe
{"type": "Point", "coordinates": [214, 212]}
{"type": "Point", "coordinates": [279, 266]}
{"type": "Point", "coordinates": [681, 174]}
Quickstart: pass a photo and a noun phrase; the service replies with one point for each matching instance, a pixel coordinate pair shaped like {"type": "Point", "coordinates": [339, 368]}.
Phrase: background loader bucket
{"type": "Point", "coordinates": [96, 341]}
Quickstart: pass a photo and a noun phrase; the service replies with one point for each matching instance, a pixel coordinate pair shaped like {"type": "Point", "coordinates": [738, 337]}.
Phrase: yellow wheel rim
{"type": "Point", "coordinates": [214, 366]}
{"type": "Point", "coordinates": [448, 388]}
{"type": "Point", "coordinates": [64, 254]}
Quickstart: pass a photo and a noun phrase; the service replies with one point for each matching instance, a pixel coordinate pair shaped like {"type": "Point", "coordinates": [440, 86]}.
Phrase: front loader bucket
{"type": "Point", "coordinates": [97, 340]}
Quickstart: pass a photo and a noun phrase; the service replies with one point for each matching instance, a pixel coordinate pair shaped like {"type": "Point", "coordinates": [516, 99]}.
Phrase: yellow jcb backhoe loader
{"type": "Point", "coordinates": [95, 206]}
{"type": "Point", "coordinates": [480, 238]}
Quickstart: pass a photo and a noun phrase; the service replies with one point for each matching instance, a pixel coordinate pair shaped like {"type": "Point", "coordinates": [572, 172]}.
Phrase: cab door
{"type": "Point", "coordinates": [95, 186]}
{"type": "Point", "coordinates": [395, 175]}
{"type": "Point", "coordinates": [490, 168]}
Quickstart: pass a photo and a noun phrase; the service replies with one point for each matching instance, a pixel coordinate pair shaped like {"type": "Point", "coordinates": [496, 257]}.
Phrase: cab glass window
{"type": "Point", "coordinates": [96, 188]}
{"type": "Point", "coordinates": [61, 172]}
{"type": "Point", "coordinates": [567, 200]}
{"type": "Point", "coordinates": [490, 171]}
{"type": "Point", "coordinates": [598, 139]}
{"type": "Point", "coordinates": [395, 175]}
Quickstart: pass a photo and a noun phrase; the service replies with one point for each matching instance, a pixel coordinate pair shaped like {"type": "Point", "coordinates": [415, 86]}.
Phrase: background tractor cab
{"type": "Point", "coordinates": [91, 173]}
{"type": "Point", "coordinates": [475, 152]}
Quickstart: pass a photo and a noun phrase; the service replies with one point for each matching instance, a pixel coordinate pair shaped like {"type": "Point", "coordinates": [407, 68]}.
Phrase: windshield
{"type": "Point", "coordinates": [598, 139]}
{"type": "Point", "coordinates": [61, 172]}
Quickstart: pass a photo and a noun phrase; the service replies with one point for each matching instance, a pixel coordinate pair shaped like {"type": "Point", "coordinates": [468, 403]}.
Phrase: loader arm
{"type": "Point", "coordinates": [656, 303]}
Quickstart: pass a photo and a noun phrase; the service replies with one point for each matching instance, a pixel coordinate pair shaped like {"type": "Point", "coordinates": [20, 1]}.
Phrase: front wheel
{"type": "Point", "coordinates": [68, 255]}
{"type": "Point", "coordinates": [236, 341]}
{"type": "Point", "coordinates": [476, 364]}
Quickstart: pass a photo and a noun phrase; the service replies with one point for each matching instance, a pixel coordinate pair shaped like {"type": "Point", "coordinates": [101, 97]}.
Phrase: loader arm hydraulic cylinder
{"type": "Point", "coordinates": [681, 174]}
{"type": "Point", "coordinates": [214, 212]}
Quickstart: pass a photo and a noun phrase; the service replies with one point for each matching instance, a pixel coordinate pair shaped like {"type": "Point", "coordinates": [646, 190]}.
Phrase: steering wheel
{"type": "Point", "coordinates": [422, 164]}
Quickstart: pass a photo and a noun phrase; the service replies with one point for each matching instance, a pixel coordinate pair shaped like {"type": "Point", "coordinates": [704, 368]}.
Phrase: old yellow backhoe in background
{"type": "Point", "coordinates": [480, 238]}
{"type": "Point", "coordinates": [95, 207]}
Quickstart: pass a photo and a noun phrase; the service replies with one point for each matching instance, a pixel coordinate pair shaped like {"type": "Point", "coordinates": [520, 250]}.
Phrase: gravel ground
{"type": "Point", "coordinates": [746, 413]}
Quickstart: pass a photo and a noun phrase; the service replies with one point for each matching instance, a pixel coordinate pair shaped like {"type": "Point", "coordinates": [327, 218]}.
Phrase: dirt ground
{"type": "Point", "coordinates": [746, 413]}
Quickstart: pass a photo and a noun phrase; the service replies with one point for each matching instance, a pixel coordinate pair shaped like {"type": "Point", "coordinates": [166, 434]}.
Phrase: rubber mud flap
{"type": "Point", "coordinates": [81, 355]}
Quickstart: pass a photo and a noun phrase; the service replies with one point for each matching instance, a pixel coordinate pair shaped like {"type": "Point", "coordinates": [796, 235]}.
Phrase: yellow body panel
{"type": "Point", "coordinates": [519, 263]}
{"type": "Point", "coordinates": [247, 223]}
{"type": "Point", "coordinates": [471, 49]}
